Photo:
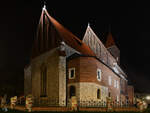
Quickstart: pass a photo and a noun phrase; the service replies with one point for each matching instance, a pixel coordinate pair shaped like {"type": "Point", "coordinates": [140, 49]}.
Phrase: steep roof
{"type": "Point", "coordinates": [92, 40]}
{"type": "Point", "coordinates": [110, 41]}
{"type": "Point", "coordinates": [90, 36]}
{"type": "Point", "coordinates": [50, 33]}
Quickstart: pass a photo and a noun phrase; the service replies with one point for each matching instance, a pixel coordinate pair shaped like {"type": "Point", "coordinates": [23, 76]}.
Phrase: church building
{"type": "Point", "coordinates": [63, 66]}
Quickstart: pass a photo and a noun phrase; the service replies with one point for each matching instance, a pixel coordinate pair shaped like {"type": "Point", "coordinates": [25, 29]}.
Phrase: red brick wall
{"type": "Point", "coordinates": [124, 86]}
{"type": "Point", "coordinates": [75, 63]}
{"type": "Point", "coordinates": [86, 71]}
{"type": "Point", "coordinates": [131, 94]}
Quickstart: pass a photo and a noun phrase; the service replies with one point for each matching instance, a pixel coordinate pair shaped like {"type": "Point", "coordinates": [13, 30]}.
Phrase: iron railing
{"type": "Point", "coordinates": [80, 103]}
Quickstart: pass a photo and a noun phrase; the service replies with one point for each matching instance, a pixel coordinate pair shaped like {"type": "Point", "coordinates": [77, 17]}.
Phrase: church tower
{"type": "Point", "coordinates": [112, 48]}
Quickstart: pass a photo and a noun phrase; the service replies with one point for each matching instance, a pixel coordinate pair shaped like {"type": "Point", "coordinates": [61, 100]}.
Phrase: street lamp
{"type": "Point", "coordinates": [147, 97]}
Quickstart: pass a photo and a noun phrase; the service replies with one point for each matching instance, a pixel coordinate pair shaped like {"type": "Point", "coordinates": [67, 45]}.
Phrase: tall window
{"type": "Point", "coordinates": [115, 83]}
{"type": "Point", "coordinates": [109, 80]}
{"type": "Point", "coordinates": [98, 94]}
{"type": "Point", "coordinates": [72, 91]}
{"type": "Point", "coordinates": [71, 73]}
{"type": "Point", "coordinates": [43, 81]}
{"type": "Point", "coordinates": [99, 75]}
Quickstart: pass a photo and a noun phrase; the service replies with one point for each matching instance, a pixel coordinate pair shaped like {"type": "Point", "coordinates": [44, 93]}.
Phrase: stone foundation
{"type": "Point", "coordinates": [86, 91]}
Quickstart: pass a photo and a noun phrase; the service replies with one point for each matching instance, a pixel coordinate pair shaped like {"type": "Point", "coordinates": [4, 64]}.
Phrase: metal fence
{"type": "Point", "coordinates": [103, 104]}
{"type": "Point", "coordinates": [81, 103]}
{"type": "Point", "coordinates": [46, 102]}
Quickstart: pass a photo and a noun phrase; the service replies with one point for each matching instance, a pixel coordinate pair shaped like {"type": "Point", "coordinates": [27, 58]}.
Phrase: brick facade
{"type": "Point", "coordinates": [86, 71]}
{"type": "Point", "coordinates": [130, 94]}
{"type": "Point", "coordinates": [107, 56]}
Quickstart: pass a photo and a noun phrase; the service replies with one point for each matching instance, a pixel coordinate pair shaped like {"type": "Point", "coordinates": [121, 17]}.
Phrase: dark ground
{"type": "Point", "coordinates": [130, 28]}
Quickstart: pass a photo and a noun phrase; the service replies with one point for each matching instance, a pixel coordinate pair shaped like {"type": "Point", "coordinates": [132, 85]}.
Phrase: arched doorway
{"type": "Point", "coordinates": [98, 94]}
{"type": "Point", "coordinates": [72, 91]}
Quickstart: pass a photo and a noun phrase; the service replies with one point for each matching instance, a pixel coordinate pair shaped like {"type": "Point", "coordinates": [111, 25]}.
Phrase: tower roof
{"type": "Point", "coordinates": [51, 33]}
{"type": "Point", "coordinates": [110, 41]}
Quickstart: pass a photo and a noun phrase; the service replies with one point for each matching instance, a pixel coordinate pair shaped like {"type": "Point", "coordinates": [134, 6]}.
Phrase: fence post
{"type": "Point", "coordinates": [109, 106]}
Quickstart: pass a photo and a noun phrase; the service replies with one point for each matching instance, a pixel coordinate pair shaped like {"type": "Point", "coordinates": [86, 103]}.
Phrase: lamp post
{"type": "Point", "coordinates": [147, 97]}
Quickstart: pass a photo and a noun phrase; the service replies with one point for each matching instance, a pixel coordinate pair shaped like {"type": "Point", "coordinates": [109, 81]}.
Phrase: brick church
{"type": "Point", "coordinates": [63, 66]}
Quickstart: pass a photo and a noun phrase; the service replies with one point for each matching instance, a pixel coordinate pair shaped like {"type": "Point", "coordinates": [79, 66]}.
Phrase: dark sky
{"type": "Point", "coordinates": [130, 26]}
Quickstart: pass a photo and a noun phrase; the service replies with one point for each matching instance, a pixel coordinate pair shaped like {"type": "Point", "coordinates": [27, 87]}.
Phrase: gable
{"type": "Point", "coordinates": [97, 47]}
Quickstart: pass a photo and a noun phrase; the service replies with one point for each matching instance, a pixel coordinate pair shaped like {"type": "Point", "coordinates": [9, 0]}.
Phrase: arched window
{"type": "Point", "coordinates": [72, 91]}
{"type": "Point", "coordinates": [43, 80]}
{"type": "Point", "coordinates": [98, 94]}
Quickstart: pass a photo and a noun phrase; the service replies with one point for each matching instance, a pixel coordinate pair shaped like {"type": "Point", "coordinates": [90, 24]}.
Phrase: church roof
{"type": "Point", "coordinates": [90, 35]}
{"type": "Point", "coordinates": [110, 41]}
{"type": "Point", "coordinates": [51, 33]}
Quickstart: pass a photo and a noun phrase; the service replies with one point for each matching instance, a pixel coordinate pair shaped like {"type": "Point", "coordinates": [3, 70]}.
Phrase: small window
{"type": "Point", "coordinates": [98, 74]}
{"type": "Point", "coordinates": [71, 73]}
{"type": "Point", "coordinates": [98, 94]}
{"type": "Point", "coordinates": [109, 80]}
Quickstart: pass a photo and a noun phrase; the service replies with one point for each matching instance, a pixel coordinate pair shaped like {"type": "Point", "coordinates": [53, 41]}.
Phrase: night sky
{"type": "Point", "coordinates": [130, 27]}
